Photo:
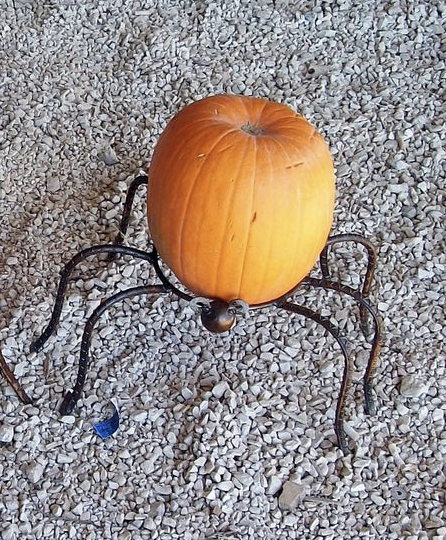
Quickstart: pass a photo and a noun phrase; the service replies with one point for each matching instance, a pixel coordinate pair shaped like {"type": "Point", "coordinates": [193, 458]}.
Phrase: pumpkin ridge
{"type": "Point", "coordinates": [243, 102]}
{"type": "Point", "coordinates": [186, 126]}
{"type": "Point", "coordinates": [230, 199]}
{"type": "Point", "coordinates": [214, 149]}
{"type": "Point", "coordinates": [249, 215]}
{"type": "Point", "coordinates": [271, 117]}
{"type": "Point", "coordinates": [298, 201]}
{"type": "Point", "coordinates": [269, 232]}
{"type": "Point", "coordinates": [177, 151]}
{"type": "Point", "coordinates": [322, 231]}
{"type": "Point", "coordinates": [192, 124]}
{"type": "Point", "coordinates": [291, 159]}
{"type": "Point", "coordinates": [186, 206]}
{"type": "Point", "coordinates": [261, 115]}
{"type": "Point", "coordinates": [324, 196]}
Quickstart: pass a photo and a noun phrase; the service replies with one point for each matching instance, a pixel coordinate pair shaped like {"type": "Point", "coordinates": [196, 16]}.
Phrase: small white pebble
{"type": "Point", "coordinates": [68, 419]}
{"type": "Point", "coordinates": [187, 393]}
{"type": "Point", "coordinates": [219, 389]}
{"type": "Point", "coordinates": [6, 434]}
{"type": "Point", "coordinates": [226, 485]}
{"type": "Point", "coordinates": [377, 499]}
{"type": "Point", "coordinates": [34, 472]}
{"type": "Point", "coordinates": [56, 510]}
{"type": "Point", "coordinates": [108, 156]}
{"type": "Point", "coordinates": [140, 416]}
{"type": "Point", "coordinates": [274, 484]}
{"type": "Point", "coordinates": [357, 486]}
{"type": "Point", "coordinates": [163, 489]}
{"type": "Point", "coordinates": [292, 494]}
{"type": "Point", "coordinates": [199, 462]}
{"type": "Point", "coordinates": [412, 386]}
{"type": "Point", "coordinates": [53, 184]}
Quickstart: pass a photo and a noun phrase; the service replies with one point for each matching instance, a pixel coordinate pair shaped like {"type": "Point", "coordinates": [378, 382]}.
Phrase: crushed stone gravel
{"type": "Point", "coordinates": [215, 429]}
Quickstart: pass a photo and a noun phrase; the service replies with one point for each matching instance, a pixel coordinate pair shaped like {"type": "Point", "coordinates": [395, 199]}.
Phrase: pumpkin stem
{"type": "Point", "coordinates": [252, 129]}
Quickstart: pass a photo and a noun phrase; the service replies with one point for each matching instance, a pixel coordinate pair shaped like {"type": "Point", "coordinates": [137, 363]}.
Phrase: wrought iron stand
{"type": "Point", "coordinates": [219, 316]}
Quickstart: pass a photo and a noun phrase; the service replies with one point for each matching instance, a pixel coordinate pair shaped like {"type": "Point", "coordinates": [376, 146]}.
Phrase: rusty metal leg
{"type": "Point", "coordinates": [346, 378]}
{"type": "Point", "coordinates": [370, 405]}
{"type": "Point", "coordinates": [72, 396]}
{"type": "Point", "coordinates": [66, 273]}
{"type": "Point", "coordinates": [368, 278]}
{"type": "Point", "coordinates": [141, 180]}
{"type": "Point", "coordinates": [14, 383]}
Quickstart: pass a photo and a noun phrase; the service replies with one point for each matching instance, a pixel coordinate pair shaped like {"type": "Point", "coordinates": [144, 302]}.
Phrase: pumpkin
{"type": "Point", "coordinates": [240, 198]}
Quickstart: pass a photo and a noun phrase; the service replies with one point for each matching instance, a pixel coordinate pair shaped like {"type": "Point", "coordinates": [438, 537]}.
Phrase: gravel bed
{"type": "Point", "coordinates": [222, 437]}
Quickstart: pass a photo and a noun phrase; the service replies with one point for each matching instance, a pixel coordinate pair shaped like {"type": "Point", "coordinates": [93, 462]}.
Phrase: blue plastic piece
{"type": "Point", "coordinates": [109, 427]}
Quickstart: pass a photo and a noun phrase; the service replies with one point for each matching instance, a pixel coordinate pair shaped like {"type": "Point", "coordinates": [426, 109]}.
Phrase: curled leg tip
{"type": "Point", "coordinates": [343, 445]}
{"type": "Point", "coordinates": [34, 347]}
{"type": "Point", "coordinates": [370, 404]}
{"type": "Point", "coordinates": [37, 345]}
{"type": "Point", "coordinates": [370, 407]}
{"type": "Point", "coordinates": [342, 439]}
{"type": "Point", "coordinates": [68, 404]}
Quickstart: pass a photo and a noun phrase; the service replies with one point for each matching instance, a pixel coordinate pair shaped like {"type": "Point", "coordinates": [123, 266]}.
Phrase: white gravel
{"type": "Point", "coordinates": [213, 427]}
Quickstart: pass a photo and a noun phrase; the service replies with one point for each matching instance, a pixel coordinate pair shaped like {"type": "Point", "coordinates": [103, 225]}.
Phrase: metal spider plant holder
{"type": "Point", "coordinates": [219, 315]}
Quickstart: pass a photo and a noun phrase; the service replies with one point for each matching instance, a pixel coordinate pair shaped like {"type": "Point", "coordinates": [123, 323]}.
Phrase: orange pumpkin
{"type": "Point", "coordinates": [240, 199]}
